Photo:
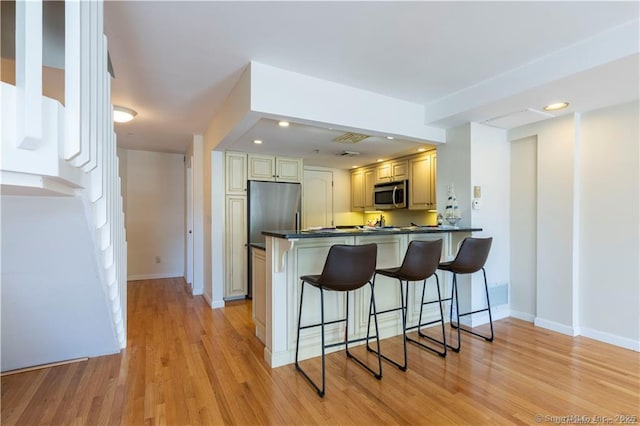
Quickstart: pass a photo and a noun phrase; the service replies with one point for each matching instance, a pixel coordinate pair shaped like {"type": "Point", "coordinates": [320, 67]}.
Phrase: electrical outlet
{"type": "Point", "coordinates": [158, 260]}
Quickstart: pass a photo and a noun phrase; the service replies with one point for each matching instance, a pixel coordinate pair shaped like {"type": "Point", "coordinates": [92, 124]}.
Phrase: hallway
{"type": "Point", "coordinates": [188, 364]}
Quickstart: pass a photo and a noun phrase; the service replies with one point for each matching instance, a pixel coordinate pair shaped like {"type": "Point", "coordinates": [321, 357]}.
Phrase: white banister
{"type": "Point", "coordinates": [72, 75]}
{"type": "Point", "coordinates": [29, 73]}
{"type": "Point", "coordinates": [84, 83]}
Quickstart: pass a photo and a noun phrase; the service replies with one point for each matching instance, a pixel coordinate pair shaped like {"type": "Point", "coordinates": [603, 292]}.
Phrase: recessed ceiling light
{"type": "Point", "coordinates": [390, 137]}
{"type": "Point", "coordinates": [354, 167]}
{"type": "Point", "coordinates": [379, 160]}
{"type": "Point", "coordinates": [422, 149]}
{"type": "Point", "coordinates": [257, 141]}
{"type": "Point", "coordinates": [556, 106]}
{"type": "Point", "coordinates": [283, 123]}
{"type": "Point", "coordinates": [122, 114]}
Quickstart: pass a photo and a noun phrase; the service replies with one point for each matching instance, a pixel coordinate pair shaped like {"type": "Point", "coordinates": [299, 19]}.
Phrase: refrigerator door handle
{"type": "Point", "coordinates": [297, 221]}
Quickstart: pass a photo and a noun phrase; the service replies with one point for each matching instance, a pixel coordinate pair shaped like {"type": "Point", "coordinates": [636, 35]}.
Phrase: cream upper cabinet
{"type": "Point", "coordinates": [392, 171]}
{"type": "Point", "coordinates": [261, 167]}
{"type": "Point", "coordinates": [357, 190]}
{"type": "Point", "coordinates": [270, 168]}
{"type": "Point", "coordinates": [422, 182]}
{"type": "Point", "coordinates": [369, 181]}
{"type": "Point", "coordinates": [288, 169]}
{"type": "Point", "coordinates": [236, 173]}
{"type": "Point", "coordinates": [362, 183]}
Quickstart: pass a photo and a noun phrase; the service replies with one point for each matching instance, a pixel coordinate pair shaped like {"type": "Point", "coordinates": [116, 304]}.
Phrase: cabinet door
{"type": "Point", "coordinates": [399, 170]}
{"type": "Point", "coordinates": [236, 173]}
{"type": "Point", "coordinates": [259, 292]}
{"type": "Point", "coordinates": [288, 169]}
{"type": "Point", "coordinates": [432, 156]}
{"type": "Point", "coordinates": [357, 190]}
{"type": "Point", "coordinates": [236, 247]}
{"type": "Point", "coordinates": [383, 172]}
{"type": "Point", "coordinates": [262, 167]}
{"type": "Point", "coordinates": [369, 181]}
{"type": "Point", "coordinates": [420, 183]}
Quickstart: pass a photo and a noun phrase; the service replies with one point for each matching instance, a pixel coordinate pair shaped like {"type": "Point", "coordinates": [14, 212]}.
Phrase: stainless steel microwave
{"type": "Point", "coordinates": [391, 195]}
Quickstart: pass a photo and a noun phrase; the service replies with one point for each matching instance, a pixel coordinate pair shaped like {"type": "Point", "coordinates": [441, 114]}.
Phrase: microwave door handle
{"type": "Point", "coordinates": [393, 196]}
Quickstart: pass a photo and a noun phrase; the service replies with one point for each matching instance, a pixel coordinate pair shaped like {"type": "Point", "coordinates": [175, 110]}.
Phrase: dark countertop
{"type": "Point", "coordinates": [259, 246]}
{"type": "Point", "coordinates": [330, 232]}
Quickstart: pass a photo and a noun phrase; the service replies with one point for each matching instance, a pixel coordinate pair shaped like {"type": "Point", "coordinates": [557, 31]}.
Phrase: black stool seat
{"type": "Point", "coordinates": [346, 268]}
{"type": "Point", "coordinates": [420, 263]}
{"type": "Point", "coordinates": [471, 257]}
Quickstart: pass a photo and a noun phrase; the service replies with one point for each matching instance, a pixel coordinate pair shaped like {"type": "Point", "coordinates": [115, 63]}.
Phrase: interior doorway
{"type": "Point", "coordinates": [524, 217]}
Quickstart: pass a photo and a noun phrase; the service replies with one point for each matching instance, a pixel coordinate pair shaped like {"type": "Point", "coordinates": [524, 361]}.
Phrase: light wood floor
{"type": "Point", "coordinates": [186, 364]}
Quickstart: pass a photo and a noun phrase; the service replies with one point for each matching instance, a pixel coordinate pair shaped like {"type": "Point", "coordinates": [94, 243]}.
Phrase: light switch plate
{"type": "Point", "coordinates": [476, 192]}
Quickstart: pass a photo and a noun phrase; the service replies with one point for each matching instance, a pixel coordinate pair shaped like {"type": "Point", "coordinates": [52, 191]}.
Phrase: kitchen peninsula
{"type": "Point", "coordinates": [290, 254]}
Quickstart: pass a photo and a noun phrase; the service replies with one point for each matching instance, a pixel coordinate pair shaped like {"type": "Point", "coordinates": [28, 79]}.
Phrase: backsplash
{"type": "Point", "coordinates": [401, 217]}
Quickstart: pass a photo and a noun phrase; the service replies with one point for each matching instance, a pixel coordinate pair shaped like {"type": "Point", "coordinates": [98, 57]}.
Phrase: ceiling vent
{"type": "Point", "coordinates": [350, 137]}
{"type": "Point", "coordinates": [518, 118]}
{"type": "Point", "coordinates": [348, 154]}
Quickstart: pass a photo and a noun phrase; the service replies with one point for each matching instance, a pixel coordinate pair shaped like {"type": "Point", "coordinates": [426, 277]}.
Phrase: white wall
{"type": "Point", "coordinates": [490, 169]}
{"type": "Point", "coordinates": [479, 155]}
{"type": "Point", "coordinates": [54, 307]}
{"type": "Point", "coordinates": [587, 258]}
{"type": "Point", "coordinates": [155, 214]}
{"type": "Point", "coordinates": [609, 294]}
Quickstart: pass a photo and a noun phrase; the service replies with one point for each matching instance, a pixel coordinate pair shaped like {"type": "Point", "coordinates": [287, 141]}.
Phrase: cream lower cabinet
{"type": "Point", "coordinates": [235, 283]}
{"type": "Point", "coordinates": [258, 291]}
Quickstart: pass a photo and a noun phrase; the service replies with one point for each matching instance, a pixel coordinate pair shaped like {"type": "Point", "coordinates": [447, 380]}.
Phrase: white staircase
{"type": "Point", "coordinates": [50, 149]}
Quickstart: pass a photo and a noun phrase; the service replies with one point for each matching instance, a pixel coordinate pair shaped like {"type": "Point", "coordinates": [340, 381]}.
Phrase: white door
{"type": "Point", "coordinates": [189, 237]}
{"type": "Point", "coordinates": [317, 193]}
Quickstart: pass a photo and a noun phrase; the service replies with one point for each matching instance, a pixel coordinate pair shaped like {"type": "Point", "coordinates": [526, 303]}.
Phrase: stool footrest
{"type": "Point", "coordinates": [319, 324]}
{"type": "Point", "coordinates": [333, 345]}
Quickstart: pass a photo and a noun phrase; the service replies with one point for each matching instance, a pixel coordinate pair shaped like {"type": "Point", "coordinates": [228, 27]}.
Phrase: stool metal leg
{"type": "Point", "coordinates": [442, 342]}
{"type": "Point", "coordinates": [454, 295]}
{"type": "Point", "coordinates": [458, 314]}
{"type": "Point", "coordinates": [403, 301]}
{"type": "Point", "coordinates": [298, 367]}
{"type": "Point", "coordinates": [346, 341]}
{"type": "Point", "coordinates": [372, 305]}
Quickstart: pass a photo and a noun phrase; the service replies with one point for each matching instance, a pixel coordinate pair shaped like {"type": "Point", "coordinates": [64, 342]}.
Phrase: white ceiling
{"type": "Point", "coordinates": [176, 62]}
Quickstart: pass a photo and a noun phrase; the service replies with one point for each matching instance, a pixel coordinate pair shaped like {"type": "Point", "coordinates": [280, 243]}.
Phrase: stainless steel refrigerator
{"type": "Point", "coordinates": [272, 206]}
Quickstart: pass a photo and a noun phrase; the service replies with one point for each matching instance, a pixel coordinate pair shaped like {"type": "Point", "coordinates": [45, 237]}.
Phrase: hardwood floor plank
{"type": "Point", "coordinates": [186, 364]}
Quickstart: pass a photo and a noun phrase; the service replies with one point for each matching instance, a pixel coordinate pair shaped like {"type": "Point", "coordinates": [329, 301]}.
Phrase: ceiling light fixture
{"type": "Point", "coordinates": [283, 123]}
{"type": "Point", "coordinates": [379, 160]}
{"type": "Point", "coordinates": [390, 138]}
{"type": "Point", "coordinates": [122, 114]}
{"type": "Point", "coordinates": [556, 106]}
{"type": "Point", "coordinates": [422, 149]}
{"type": "Point", "coordinates": [257, 141]}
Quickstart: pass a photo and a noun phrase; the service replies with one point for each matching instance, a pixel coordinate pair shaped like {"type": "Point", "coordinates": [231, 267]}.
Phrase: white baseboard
{"type": "Point", "coordinates": [523, 316]}
{"type": "Point", "coordinates": [556, 326]}
{"type": "Point", "coordinates": [154, 276]}
{"type": "Point", "coordinates": [612, 339]}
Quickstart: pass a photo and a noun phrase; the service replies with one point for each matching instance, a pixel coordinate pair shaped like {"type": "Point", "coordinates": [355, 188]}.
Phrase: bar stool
{"type": "Point", "coordinates": [346, 268]}
{"type": "Point", "coordinates": [420, 263]}
{"type": "Point", "coordinates": [471, 257]}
